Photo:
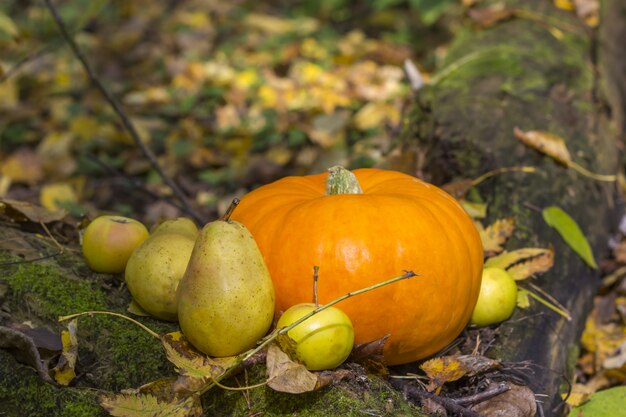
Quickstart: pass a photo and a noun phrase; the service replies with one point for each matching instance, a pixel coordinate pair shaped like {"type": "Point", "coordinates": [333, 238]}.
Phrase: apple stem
{"type": "Point", "coordinates": [233, 205]}
{"type": "Point", "coordinates": [278, 332]}
{"type": "Point", "coordinates": [315, 277]}
{"type": "Point", "coordinates": [110, 313]}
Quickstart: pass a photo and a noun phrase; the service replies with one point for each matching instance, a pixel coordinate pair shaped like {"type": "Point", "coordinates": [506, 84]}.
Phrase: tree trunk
{"type": "Point", "coordinates": [535, 71]}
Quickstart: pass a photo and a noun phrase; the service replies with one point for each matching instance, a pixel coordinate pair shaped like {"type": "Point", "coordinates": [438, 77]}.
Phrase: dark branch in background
{"type": "Point", "coordinates": [135, 183]}
{"type": "Point", "coordinates": [128, 125]}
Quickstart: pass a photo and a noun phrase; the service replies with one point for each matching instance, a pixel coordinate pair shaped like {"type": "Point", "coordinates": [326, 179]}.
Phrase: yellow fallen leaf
{"type": "Point", "coordinates": [64, 371]}
{"type": "Point", "coordinates": [56, 153]}
{"type": "Point", "coordinates": [7, 26]}
{"type": "Point", "coordinates": [507, 259]}
{"type": "Point", "coordinates": [546, 143]}
{"type": "Point", "coordinates": [84, 127]}
{"type": "Point", "coordinates": [189, 361]}
{"type": "Point", "coordinates": [564, 4]}
{"type": "Point", "coordinates": [533, 266]}
{"type": "Point", "coordinates": [496, 234]}
{"type": "Point", "coordinates": [23, 166]}
{"type": "Point", "coordinates": [54, 196]}
{"type": "Point", "coordinates": [9, 94]}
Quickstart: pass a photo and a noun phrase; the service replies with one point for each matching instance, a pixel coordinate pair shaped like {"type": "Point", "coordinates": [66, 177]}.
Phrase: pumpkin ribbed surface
{"type": "Point", "coordinates": [397, 223]}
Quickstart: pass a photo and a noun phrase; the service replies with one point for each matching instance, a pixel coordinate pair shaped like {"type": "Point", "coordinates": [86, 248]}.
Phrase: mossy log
{"type": "Point", "coordinates": [536, 71]}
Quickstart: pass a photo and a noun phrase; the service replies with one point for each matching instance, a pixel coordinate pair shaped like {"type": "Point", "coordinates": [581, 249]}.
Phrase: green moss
{"type": "Point", "coordinates": [369, 396]}
{"type": "Point", "coordinates": [22, 394]}
{"type": "Point", "coordinates": [50, 293]}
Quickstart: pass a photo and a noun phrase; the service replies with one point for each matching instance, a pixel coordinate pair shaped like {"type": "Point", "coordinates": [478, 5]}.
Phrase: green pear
{"type": "Point", "coordinates": [226, 297]}
{"type": "Point", "coordinates": [156, 267]}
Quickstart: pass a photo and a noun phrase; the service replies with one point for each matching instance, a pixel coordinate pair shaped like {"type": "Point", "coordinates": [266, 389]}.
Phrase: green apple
{"type": "Point", "coordinates": [109, 241]}
{"type": "Point", "coordinates": [497, 298]}
{"type": "Point", "coordinates": [323, 341]}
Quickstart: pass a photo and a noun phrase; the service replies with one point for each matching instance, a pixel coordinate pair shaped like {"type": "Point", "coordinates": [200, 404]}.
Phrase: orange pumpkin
{"type": "Point", "coordinates": [359, 236]}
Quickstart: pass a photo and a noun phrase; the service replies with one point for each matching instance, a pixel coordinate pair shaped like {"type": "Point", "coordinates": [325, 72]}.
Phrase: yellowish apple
{"type": "Point", "coordinates": [497, 298]}
{"type": "Point", "coordinates": [109, 241]}
{"type": "Point", "coordinates": [323, 341]}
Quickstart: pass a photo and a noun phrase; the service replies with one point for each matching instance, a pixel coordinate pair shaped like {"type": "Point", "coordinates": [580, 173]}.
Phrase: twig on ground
{"type": "Point", "coordinates": [483, 395]}
{"type": "Point", "coordinates": [414, 393]}
{"type": "Point", "coordinates": [128, 125]}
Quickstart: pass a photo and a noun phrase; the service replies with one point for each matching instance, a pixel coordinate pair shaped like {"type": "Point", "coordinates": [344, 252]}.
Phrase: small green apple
{"type": "Point", "coordinates": [323, 341]}
{"type": "Point", "coordinates": [108, 242]}
{"type": "Point", "coordinates": [497, 298]}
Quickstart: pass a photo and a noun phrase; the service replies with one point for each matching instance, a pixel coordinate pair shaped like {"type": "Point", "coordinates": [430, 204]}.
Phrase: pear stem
{"type": "Point", "coordinates": [315, 277]}
{"type": "Point", "coordinates": [342, 181]}
{"type": "Point", "coordinates": [233, 205]}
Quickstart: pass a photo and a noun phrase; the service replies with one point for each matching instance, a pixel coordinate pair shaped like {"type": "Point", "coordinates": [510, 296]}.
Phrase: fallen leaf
{"type": "Point", "coordinates": [191, 362]}
{"type": "Point", "coordinates": [490, 15]}
{"type": "Point", "coordinates": [450, 368]}
{"type": "Point", "coordinates": [522, 298]}
{"type": "Point", "coordinates": [606, 403]}
{"type": "Point", "coordinates": [570, 232]}
{"type": "Point", "coordinates": [147, 405]}
{"type": "Point", "coordinates": [458, 189]}
{"type": "Point", "coordinates": [64, 371]}
{"type": "Point", "coordinates": [507, 259]}
{"type": "Point", "coordinates": [618, 360]}
{"type": "Point", "coordinates": [7, 26]}
{"type": "Point", "coordinates": [578, 395]}
{"type": "Point", "coordinates": [474, 210]}
{"type": "Point", "coordinates": [23, 166]}
{"type": "Point", "coordinates": [518, 401]}
{"type": "Point", "coordinates": [546, 143]}
{"type": "Point", "coordinates": [24, 350]}
{"type": "Point", "coordinates": [54, 196]}
{"type": "Point", "coordinates": [285, 375]}
{"type": "Point", "coordinates": [23, 211]}
{"type": "Point", "coordinates": [535, 265]}
{"type": "Point", "coordinates": [496, 234]}
{"type": "Point", "coordinates": [371, 350]}
{"type": "Point", "coordinates": [136, 309]}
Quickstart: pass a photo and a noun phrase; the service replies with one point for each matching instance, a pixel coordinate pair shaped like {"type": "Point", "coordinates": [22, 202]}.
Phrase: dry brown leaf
{"type": "Point", "coordinates": [285, 375]}
{"type": "Point", "coordinates": [536, 265]}
{"type": "Point", "coordinates": [64, 371]}
{"type": "Point", "coordinates": [458, 189]}
{"type": "Point", "coordinates": [191, 362]}
{"type": "Point", "coordinates": [518, 401]}
{"type": "Point", "coordinates": [496, 234]}
{"type": "Point", "coordinates": [507, 259]}
{"type": "Point", "coordinates": [546, 143]}
{"type": "Point", "coordinates": [371, 350]}
{"type": "Point", "coordinates": [23, 211]}
{"type": "Point", "coordinates": [489, 16]}
{"type": "Point", "coordinates": [23, 344]}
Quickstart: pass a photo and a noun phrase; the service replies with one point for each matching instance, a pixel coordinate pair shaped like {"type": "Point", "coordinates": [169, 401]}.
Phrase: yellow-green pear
{"type": "Point", "coordinates": [226, 297]}
{"type": "Point", "coordinates": [157, 265]}
{"type": "Point", "coordinates": [181, 225]}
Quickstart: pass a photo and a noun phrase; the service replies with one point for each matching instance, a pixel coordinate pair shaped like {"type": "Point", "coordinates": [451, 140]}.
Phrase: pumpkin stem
{"type": "Point", "coordinates": [342, 181]}
{"type": "Point", "coordinates": [233, 205]}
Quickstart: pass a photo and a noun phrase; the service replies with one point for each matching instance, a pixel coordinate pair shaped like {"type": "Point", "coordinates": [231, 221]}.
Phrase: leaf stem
{"type": "Point", "coordinates": [247, 387]}
{"type": "Point", "coordinates": [564, 313]}
{"type": "Point", "coordinates": [110, 313]}
{"type": "Point", "coordinates": [584, 171]}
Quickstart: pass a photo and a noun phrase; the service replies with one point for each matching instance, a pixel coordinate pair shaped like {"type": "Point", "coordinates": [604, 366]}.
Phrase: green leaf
{"type": "Point", "coordinates": [570, 232]}
{"type": "Point", "coordinates": [607, 403]}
